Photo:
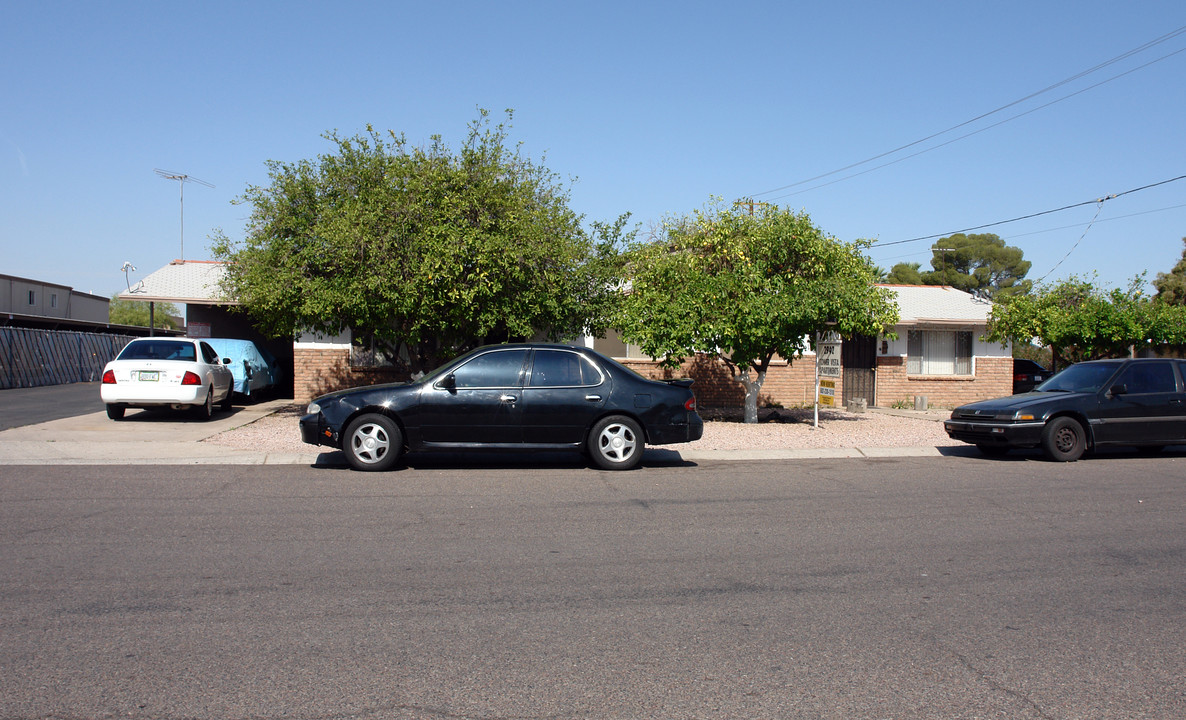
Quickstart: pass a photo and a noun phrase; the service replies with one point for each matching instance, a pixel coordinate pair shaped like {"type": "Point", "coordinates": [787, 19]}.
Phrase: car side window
{"type": "Point", "coordinates": [209, 354]}
{"type": "Point", "coordinates": [498, 369]}
{"type": "Point", "coordinates": [561, 368]}
{"type": "Point", "coordinates": [1153, 377]}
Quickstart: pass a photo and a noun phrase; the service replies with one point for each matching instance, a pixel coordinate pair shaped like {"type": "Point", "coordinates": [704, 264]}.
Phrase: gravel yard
{"type": "Point", "coordinates": [789, 429]}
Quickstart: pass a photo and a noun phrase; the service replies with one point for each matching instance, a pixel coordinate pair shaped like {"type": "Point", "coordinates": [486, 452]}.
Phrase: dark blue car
{"type": "Point", "coordinates": [1136, 402]}
{"type": "Point", "coordinates": [519, 397]}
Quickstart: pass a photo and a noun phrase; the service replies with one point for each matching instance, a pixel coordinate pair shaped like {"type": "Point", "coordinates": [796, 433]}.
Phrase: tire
{"type": "Point", "coordinates": [988, 450]}
{"type": "Point", "coordinates": [1064, 440]}
{"type": "Point", "coordinates": [115, 411]}
{"type": "Point", "coordinates": [615, 443]}
{"type": "Point", "coordinates": [226, 401]}
{"type": "Point", "coordinates": [373, 443]}
{"type": "Point", "coordinates": [206, 410]}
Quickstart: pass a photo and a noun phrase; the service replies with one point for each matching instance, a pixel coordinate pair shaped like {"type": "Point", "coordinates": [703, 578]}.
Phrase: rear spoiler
{"type": "Point", "coordinates": [680, 382]}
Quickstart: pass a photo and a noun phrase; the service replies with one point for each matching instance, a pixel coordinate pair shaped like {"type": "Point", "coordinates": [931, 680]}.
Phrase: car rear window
{"type": "Point", "coordinates": [158, 350]}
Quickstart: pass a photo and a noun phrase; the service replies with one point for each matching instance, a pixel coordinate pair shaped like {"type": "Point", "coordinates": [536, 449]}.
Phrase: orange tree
{"type": "Point", "coordinates": [748, 288]}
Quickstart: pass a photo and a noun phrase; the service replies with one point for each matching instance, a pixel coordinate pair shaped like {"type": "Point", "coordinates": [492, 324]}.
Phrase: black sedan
{"type": "Point", "coordinates": [524, 397]}
{"type": "Point", "coordinates": [1139, 403]}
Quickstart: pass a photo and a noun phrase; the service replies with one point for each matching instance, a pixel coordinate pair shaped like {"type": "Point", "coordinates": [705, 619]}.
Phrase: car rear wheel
{"type": "Point", "coordinates": [616, 443]}
{"type": "Point", "coordinates": [373, 442]}
{"type": "Point", "coordinates": [1064, 440]}
{"type": "Point", "coordinates": [206, 410]}
{"type": "Point", "coordinates": [115, 411]}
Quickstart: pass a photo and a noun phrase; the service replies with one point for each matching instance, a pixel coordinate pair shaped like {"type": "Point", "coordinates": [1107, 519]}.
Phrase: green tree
{"type": "Point", "coordinates": [428, 251]}
{"type": "Point", "coordinates": [1080, 321]}
{"type": "Point", "coordinates": [980, 264]}
{"type": "Point", "coordinates": [747, 288]}
{"type": "Point", "coordinates": [1171, 286]}
{"type": "Point", "coordinates": [905, 274]}
{"type": "Point", "coordinates": [136, 312]}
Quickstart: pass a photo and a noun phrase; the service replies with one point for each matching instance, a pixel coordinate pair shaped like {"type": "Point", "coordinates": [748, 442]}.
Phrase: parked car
{"type": "Point", "coordinates": [255, 369]}
{"type": "Point", "coordinates": [1027, 374]}
{"type": "Point", "coordinates": [523, 396]}
{"type": "Point", "coordinates": [1139, 403]}
{"type": "Point", "coordinates": [155, 372]}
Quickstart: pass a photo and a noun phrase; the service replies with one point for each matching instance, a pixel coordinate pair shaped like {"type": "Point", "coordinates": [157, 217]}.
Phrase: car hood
{"type": "Point", "coordinates": [1023, 401]}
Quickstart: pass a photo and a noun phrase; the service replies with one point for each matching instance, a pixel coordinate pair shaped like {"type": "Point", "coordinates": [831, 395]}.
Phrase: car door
{"type": "Point", "coordinates": [224, 380]}
{"type": "Point", "coordinates": [476, 403]}
{"type": "Point", "coordinates": [565, 391]}
{"type": "Point", "coordinates": [1142, 406]}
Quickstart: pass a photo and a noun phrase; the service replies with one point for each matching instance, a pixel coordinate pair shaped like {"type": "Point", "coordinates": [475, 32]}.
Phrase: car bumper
{"type": "Point", "coordinates": [1005, 434]}
{"type": "Point", "coordinates": [315, 431]}
{"type": "Point", "coordinates": [679, 431]}
{"type": "Point", "coordinates": [152, 394]}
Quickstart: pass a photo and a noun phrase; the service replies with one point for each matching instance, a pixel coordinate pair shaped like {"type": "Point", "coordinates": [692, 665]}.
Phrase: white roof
{"type": "Point", "coordinates": [939, 304]}
{"type": "Point", "coordinates": [194, 282]}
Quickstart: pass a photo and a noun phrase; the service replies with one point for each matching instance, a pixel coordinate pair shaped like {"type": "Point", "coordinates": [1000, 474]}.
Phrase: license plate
{"type": "Point", "coordinates": [148, 375]}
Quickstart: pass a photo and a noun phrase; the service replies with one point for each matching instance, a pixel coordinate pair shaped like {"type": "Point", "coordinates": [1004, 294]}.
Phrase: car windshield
{"type": "Point", "coordinates": [159, 350]}
{"type": "Point", "coordinates": [1084, 377]}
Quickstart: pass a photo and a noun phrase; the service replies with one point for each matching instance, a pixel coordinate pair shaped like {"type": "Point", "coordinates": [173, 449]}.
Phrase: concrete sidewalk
{"type": "Point", "coordinates": [142, 439]}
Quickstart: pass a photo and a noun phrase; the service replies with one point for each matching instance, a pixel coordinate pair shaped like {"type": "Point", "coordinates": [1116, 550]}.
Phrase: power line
{"type": "Point", "coordinates": [1084, 73]}
{"type": "Point", "coordinates": [1094, 201]}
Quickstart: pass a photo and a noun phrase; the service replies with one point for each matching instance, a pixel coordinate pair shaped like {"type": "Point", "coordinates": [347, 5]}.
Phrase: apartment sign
{"type": "Point", "coordinates": [827, 356]}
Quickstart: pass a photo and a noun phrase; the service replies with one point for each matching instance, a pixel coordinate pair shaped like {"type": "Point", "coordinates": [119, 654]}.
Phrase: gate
{"type": "Point", "coordinates": [858, 357]}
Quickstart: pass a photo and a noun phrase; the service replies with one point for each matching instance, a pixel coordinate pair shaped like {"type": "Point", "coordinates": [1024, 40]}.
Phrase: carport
{"type": "Point", "coordinates": [197, 285]}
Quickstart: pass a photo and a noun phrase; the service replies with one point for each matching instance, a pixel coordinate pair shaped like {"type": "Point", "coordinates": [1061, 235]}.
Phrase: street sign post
{"type": "Point", "coordinates": [827, 365]}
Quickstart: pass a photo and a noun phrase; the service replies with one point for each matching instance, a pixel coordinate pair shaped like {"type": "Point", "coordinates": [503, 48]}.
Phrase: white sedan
{"type": "Point", "coordinates": [155, 372]}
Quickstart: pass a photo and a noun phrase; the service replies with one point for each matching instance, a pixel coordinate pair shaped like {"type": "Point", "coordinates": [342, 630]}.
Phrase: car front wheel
{"type": "Point", "coordinates": [616, 443]}
{"type": "Point", "coordinates": [1064, 440]}
{"type": "Point", "coordinates": [373, 442]}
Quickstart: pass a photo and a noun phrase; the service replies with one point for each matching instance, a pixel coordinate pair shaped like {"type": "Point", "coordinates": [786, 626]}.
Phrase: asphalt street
{"type": "Point", "coordinates": [29, 406]}
{"type": "Point", "coordinates": [943, 587]}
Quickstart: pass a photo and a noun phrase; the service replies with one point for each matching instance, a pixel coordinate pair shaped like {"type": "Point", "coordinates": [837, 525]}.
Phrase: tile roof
{"type": "Point", "coordinates": [939, 304]}
{"type": "Point", "coordinates": [194, 282]}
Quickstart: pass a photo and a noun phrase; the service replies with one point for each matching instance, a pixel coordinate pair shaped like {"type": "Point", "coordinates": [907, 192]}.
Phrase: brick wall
{"type": "Point", "coordinates": [787, 384]}
{"type": "Point", "coordinates": [993, 378]}
{"type": "Point", "coordinates": [321, 370]}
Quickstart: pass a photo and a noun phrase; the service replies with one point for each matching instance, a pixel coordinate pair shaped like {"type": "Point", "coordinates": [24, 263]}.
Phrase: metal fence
{"type": "Point", "coordinates": [31, 358]}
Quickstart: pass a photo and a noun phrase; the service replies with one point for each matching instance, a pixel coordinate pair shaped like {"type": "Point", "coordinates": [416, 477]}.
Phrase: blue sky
{"type": "Point", "coordinates": [649, 108]}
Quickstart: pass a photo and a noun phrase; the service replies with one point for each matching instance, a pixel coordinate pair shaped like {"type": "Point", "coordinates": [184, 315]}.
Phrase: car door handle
{"type": "Point", "coordinates": [508, 398]}
{"type": "Point", "coordinates": [593, 398]}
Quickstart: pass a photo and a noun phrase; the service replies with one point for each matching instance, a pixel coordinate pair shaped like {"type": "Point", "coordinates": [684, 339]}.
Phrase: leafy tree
{"type": "Point", "coordinates": [747, 288]}
{"type": "Point", "coordinates": [1080, 321]}
{"type": "Point", "coordinates": [428, 251]}
{"type": "Point", "coordinates": [980, 264]}
{"type": "Point", "coordinates": [905, 274]}
{"type": "Point", "coordinates": [1171, 286]}
{"type": "Point", "coordinates": [137, 312]}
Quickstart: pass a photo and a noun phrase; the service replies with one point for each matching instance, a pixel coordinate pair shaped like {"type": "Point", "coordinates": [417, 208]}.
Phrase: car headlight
{"type": "Point", "coordinates": [313, 409]}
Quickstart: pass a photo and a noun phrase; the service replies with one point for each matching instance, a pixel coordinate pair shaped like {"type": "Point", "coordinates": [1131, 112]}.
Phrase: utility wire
{"type": "Point", "coordinates": [1084, 73]}
{"type": "Point", "coordinates": [1032, 215]}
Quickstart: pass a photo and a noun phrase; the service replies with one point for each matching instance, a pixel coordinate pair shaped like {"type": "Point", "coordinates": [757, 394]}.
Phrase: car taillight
{"type": "Point", "coordinates": [109, 378]}
{"type": "Point", "coordinates": [690, 405]}
{"type": "Point", "coordinates": [191, 378]}
{"type": "Point", "coordinates": [1019, 377]}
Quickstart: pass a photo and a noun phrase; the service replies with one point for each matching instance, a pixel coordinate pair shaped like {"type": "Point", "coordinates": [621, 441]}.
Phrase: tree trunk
{"type": "Point", "coordinates": [753, 388]}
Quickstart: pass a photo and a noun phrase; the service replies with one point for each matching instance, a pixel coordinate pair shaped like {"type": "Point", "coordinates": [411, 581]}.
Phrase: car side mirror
{"type": "Point", "coordinates": [1120, 389]}
{"type": "Point", "coordinates": [449, 382]}
{"type": "Point", "coordinates": [226, 361]}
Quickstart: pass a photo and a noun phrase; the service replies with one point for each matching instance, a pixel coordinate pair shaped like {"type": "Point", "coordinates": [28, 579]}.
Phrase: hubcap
{"type": "Point", "coordinates": [370, 443]}
{"type": "Point", "coordinates": [617, 442]}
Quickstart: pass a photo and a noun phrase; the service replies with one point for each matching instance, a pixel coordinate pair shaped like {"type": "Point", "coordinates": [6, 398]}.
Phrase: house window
{"type": "Point", "coordinates": [53, 300]}
{"type": "Point", "coordinates": [32, 297]}
{"type": "Point", "coordinates": [939, 352]}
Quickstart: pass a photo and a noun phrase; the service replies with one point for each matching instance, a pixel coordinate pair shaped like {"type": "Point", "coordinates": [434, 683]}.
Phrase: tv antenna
{"type": "Point", "coordinates": [181, 179]}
